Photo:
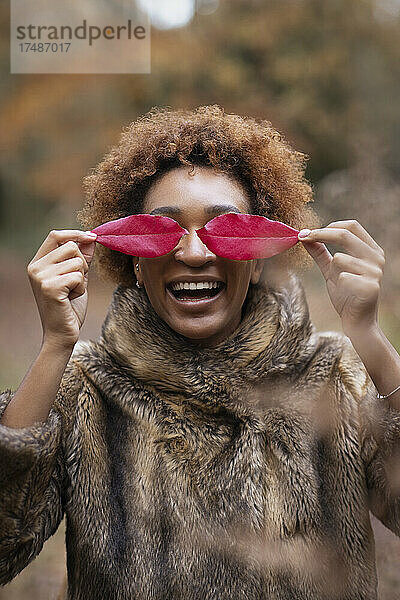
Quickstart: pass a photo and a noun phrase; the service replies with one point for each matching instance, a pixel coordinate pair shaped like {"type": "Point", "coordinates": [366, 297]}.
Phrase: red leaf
{"type": "Point", "coordinates": [140, 235]}
{"type": "Point", "coordinates": [244, 237]}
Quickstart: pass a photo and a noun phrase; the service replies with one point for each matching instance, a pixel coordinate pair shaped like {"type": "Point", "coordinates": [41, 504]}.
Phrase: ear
{"type": "Point", "coordinates": [258, 265]}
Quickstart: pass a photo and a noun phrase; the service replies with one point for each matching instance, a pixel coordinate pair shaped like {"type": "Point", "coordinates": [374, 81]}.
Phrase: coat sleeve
{"type": "Point", "coordinates": [32, 481]}
{"type": "Point", "coordinates": [379, 432]}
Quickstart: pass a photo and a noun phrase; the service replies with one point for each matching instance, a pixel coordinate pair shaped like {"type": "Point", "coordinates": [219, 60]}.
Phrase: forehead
{"type": "Point", "coordinates": [201, 189]}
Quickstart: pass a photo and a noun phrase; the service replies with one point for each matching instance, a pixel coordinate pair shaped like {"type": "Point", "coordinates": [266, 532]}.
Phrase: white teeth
{"type": "Point", "coordinates": [196, 286]}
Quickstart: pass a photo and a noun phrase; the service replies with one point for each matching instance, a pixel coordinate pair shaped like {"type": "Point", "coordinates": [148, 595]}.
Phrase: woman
{"type": "Point", "coordinates": [211, 443]}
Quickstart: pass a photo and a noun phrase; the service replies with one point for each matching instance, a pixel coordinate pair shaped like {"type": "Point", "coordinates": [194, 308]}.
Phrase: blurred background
{"type": "Point", "coordinates": [325, 73]}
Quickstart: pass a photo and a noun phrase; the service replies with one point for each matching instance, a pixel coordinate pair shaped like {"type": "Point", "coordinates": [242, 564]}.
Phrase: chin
{"type": "Point", "coordinates": [200, 333]}
{"type": "Point", "coordinates": [203, 334]}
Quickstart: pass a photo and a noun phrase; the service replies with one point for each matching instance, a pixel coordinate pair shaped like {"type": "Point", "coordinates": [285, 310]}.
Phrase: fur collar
{"type": "Point", "coordinates": [274, 337]}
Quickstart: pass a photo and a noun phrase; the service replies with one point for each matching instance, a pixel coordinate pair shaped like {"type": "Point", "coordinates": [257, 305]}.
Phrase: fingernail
{"type": "Point", "coordinates": [304, 233]}
{"type": "Point", "coordinates": [93, 235]}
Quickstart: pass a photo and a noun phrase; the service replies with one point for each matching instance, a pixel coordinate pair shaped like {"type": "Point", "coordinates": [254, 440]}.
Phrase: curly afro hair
{"type": "Point", "coordinates": [252, 152]}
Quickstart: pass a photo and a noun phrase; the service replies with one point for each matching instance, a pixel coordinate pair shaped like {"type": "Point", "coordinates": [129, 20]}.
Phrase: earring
{"type": "Point", "coordinates": [137, 283]}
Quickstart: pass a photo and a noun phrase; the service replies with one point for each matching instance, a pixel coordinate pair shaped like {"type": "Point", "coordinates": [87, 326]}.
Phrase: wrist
{"type": "Point", "coordinates": [364, 331]}
{"type": "Point", "coordinates": [60, 348]}
{"type": "Point", "coordinates": [368, 342]}
{"type": "Point", "coordinates": [380, 359]}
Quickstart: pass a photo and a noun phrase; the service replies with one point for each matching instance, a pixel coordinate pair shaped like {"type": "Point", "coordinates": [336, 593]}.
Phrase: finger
{"type": "Point", "coordinates": [351, 286]}
{"type": "Point", "coordinates": [365, 289]}
{"type": "Point", "coordinates": [57, 238]}
{"type": "Point", "coordinates": [320, 254]}
{"type": "Point", "coordinates": [87, 250]}
{"type": "Point", "coordinates": [67, 250]}
{"type": "Point", "coordinates": [75, 284]}
{"type": "Point", "coordinates": [345, 238]}
{"type": "Point", "coordinates": [356, 228]}
{"type": "Point", "coordinates": [350, 264]}
{"type": "Point", "coordinates": [66, 266]}
{"type": "Point", "coordinates": [59, 287]}
{"type": "Point", "coordinates": [78, 291]}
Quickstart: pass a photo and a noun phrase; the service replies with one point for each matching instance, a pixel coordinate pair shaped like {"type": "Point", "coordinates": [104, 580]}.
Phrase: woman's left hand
{"type": "Point", "coordinates": [353, 280]}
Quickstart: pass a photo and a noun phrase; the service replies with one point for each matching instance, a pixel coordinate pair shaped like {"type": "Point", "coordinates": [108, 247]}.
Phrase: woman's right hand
{"type": "Point", "coordinates": [58, 274]}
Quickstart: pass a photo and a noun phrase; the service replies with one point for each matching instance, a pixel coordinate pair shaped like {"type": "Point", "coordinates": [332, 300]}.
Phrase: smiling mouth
{"type": "Point", "coordinates": [196, 295]}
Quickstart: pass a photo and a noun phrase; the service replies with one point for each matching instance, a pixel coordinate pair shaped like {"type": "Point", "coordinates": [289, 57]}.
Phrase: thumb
{"type": "Point", "coordinates": [319, 253]}
{"type": "Point", "coordinates": [87, 249]}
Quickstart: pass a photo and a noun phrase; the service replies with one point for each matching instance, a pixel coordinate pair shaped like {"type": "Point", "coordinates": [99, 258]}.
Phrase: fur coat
{"type": "Point", "coordinates": [244, 471]}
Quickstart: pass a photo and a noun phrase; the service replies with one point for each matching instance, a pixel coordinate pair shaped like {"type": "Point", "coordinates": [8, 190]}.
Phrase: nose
{"type": "Point", "coordinates": [192, 251]}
